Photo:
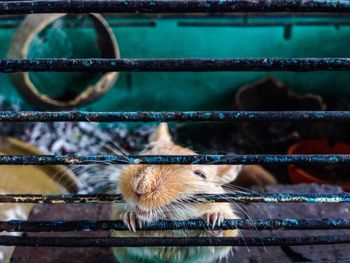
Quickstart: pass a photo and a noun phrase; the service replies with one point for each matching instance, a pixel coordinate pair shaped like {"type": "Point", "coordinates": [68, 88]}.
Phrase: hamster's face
{"type": "Point", "coordinates": [153, 191]}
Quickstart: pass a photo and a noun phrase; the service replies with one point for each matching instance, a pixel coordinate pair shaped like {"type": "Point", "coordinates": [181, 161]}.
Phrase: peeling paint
{"type": "Point", "coordinates": [195, 224]}
{"type": "Point", "coordinates": [169, 65]}
{"type": "Point", "coordinates": [209, 159]}
{"type": "Point", "coordinates": [171, 6]}
{"type": "Point", "coordinates": [170, 241]}
{"type": "Point", "coordinates": [204, 198]}
{"type": "Point", "coordinates": [176, 116]}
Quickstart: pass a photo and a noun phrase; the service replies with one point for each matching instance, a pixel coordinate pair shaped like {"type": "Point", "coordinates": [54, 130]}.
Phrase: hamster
{"type": "Point", "coordinates": [157, 192]}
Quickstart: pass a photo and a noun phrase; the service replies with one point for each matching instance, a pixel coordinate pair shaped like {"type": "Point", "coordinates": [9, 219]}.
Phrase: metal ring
{"type": "Point", "coordinates": [19, 49]}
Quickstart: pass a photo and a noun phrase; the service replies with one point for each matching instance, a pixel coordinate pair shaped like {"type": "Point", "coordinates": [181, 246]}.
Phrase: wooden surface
{"type": "Point", "coordinates": [297, 211]}
{"type": "Point", "coordinates": [239, 254]}
{"type": "Point", "coordinates": [62, 255]}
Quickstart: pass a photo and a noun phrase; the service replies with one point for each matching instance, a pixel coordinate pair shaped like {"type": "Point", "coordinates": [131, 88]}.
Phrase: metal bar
{"type": "Point", "coordinates": [205, 198]}
{"type": "Point", "coordinates": [177, 116]}
{"type": "Point", "coordinates": [170, 6]}
{"type": "Point", "coordinates": [213, 159]}
{"type": "Point", "coordinates": [170, 241]}
{"type": "Point", "coordinates": [107, 225]}
{"type": "Point", "coordinates": [236, 15]}
{"type": "Point", "coordinates": [175, 65]}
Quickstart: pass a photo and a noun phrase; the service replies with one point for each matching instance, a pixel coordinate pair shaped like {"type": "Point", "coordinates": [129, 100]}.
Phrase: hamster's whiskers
{"type": "Point", "coordinates": [143, 213]}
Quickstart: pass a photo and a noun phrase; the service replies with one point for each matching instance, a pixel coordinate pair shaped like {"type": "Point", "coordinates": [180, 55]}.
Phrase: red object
{"type": "Point", "coordinates": [298, 175]}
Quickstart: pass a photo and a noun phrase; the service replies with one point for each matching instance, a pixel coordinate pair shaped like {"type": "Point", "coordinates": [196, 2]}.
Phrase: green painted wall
{"type": "Point", "coordinates": [195, 91]}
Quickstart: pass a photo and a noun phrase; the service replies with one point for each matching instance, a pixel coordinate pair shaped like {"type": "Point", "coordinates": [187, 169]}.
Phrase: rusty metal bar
{"type": "Point", "coordinates": [237, 15]}
{"type": "Point", "coordinates": [177, 116]}
{"type": "Point", "coordinates": [209, 159]}
{"type": "Point", "coordinates": [170, 241]}
{"type": "Point", "coordinates": [117, 198]}
{"type": "Point", "coordinates": [197, 224]}
{"type": "Point", "coordinates": [170, 6]}
{"type": "Point", "coordinates": [174, 65]}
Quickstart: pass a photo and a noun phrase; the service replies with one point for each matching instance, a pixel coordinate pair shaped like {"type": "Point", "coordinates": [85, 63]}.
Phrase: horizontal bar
{"type": "Point", "coordinates": [170, 241]}
{"type": "Point", "coordinates": [170, 6]}
{"type": "Point", "coordinates": [174, 65]}
{"type": "Point", "coordinates": [209, 159]}
{"type": "Point", "coordinates": [177, 116]}
{"type": "Point", "coordinates": [245, 15]}
{"type": "Point", "coordinates": [117, 198]}
{"type": "Point", "coordinates": [107, 225]}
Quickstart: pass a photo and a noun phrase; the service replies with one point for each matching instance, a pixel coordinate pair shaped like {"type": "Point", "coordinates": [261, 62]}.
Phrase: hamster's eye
{"type": "Point", "coordinates": [200, 174]}
{"type": "Point", "coordinates": [148, 147]}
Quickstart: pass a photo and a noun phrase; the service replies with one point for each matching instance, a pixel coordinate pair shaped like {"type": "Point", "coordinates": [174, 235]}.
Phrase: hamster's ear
{"type": "Point", "coordinates": [228, 173]}
{"type": "Point", "coordinates": [161, 134]}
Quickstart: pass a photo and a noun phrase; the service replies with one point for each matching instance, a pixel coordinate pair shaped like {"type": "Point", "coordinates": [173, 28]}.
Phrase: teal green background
{"type": "Point", "coordinates": [191, 91]}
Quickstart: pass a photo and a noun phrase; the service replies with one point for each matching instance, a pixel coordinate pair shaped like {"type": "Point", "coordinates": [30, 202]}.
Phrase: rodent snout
{"type": "Point", "coordinates": [142, 184]}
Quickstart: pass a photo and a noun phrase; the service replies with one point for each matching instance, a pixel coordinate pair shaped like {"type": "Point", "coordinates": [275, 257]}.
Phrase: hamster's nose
{"type": "Point", "coordinates": [142, 185]}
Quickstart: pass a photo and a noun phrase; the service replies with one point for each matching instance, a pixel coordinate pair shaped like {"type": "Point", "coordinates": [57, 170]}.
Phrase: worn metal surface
{"type": "Point", "coordinates": [213, 159]}
{"type": "Point", "coordinates": [169, 241]}
{"type": "Point", "coordinates": [117, 198]}
{"type": "Point", "coordinates": [157, 64]}
{"type": "Point", "coordinates": [170, 6]}
{"type": "Point", "coordinates": [332, 253]}
{"type": "Point", "coordinates": [177, 116]}
{"type": "Point", "coordinates": [196, 224]}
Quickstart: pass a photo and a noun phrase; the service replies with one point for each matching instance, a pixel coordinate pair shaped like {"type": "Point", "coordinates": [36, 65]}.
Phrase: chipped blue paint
{"type": "Point", "coordinates": [195, 224]}
{"type": "Point", "coordinates": [205, 198]}
{"type": "Point", "coordinates": [171, 6]}
{"type": "Point", "coordinates": [171, 64]}
{"type": "Point", "coordinates": [85, 63]}
{"type": "Point", "coordinates": [171, 241]}
{"type": "Point", "coordinates": [210, 159]}
{"type": "Point", "coordinates": [178, 116]}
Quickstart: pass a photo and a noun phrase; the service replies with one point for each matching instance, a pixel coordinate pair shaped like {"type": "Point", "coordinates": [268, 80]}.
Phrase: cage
{"type": "Point", "coordinates": [216, 47]}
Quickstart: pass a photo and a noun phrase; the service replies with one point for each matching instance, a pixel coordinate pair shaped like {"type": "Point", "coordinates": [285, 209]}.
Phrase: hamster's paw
{"type": "Point", "coordinates": [130, 219]}
{"type": "Point", "coordinates": [213, 219]}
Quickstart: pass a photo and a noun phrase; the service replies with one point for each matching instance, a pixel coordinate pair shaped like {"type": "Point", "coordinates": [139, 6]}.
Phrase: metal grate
{"type": "Point", "coordinates": [213, 159]}
{"type": "Point", "coordinates": [171, 6]}
{"type": "Point", "coordinates": [192, 65]}
{"type": "Point", "coordinates": [168, 65]}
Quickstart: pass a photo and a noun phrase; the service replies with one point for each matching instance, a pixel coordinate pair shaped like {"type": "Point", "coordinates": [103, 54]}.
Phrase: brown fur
{"type": "Point", "coordinates": [155, 186]}
{"type": "Point", "coordinates": [155, 192]}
